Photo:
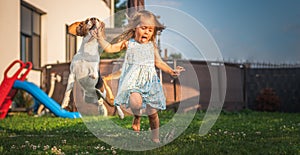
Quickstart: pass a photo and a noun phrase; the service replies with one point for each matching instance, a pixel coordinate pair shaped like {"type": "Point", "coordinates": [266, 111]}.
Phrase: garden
{"type": "Point", "coordinates": [244, 132]}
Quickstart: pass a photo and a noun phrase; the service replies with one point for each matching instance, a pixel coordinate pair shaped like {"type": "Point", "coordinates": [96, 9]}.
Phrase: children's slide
{"type": "Point", "coordinates": [44, 99]}
{"type": "Point", "coordinates": [6, 92]}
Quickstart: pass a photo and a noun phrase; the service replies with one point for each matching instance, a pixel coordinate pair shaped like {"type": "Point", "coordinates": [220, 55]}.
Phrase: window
{"type": "Point", "coordinates": [31, 34]}
{"type": "Point", "coordinates": [70, 45]}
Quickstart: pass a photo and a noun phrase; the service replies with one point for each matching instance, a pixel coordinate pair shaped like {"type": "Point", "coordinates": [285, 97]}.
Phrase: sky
{"type": "Point", "coordinates": [253, 30]}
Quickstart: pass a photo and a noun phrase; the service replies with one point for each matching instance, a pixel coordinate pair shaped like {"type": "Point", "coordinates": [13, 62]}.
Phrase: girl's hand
{"type": "Point", "coordinates": [176, 72]}
{"type": "Point", "coordinates": [99, 32]}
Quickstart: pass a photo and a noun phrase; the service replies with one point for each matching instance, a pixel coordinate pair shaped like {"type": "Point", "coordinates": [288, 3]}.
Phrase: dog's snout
{"type": "Point", "coordinates": [94, 22]}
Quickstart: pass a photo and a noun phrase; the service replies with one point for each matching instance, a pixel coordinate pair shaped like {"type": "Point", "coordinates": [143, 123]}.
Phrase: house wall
{"type": "Point", "coordinates": [59, 13]}
{"type": "Point", "coordinates": [10, 33]}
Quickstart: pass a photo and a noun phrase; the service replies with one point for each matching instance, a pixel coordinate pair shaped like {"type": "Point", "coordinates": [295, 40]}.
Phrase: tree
{"type": "Point", "coordinates": [120, 17]}
{"type": "Point", "coordinates": [175, 56]}
{"type": "Point", "coordinates": [117, 55]}
{"type": "Point", "coordinates": [120, 10]}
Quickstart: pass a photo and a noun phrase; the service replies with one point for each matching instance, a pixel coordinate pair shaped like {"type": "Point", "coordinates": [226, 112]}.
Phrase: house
{"type": "Point", "coordinates": [36, 31]}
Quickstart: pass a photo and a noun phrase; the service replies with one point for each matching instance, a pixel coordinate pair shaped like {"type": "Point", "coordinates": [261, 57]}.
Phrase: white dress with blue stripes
{"type": "Point", "coordinates": [139, 75]}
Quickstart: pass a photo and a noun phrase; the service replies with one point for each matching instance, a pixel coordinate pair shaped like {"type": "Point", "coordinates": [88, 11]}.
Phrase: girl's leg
{"type": "Point", "coordinates": [135, 105]}
{"type": "Point", "coordinates": [136, 123]}
{"type": "Point", "coordinates": [154, 123]}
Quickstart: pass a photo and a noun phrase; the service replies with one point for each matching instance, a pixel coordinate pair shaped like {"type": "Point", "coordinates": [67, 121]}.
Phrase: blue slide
{"type": "Point", "coordinates": [43, 98]}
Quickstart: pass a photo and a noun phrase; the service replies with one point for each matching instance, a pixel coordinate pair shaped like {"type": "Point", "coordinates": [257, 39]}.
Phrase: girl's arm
{"type": "Point", "coordinates": [159, 63]}
{"type": "Point", "coordinates": [114, 75]}
{"type": "Point", "coordinates": [109, 48]}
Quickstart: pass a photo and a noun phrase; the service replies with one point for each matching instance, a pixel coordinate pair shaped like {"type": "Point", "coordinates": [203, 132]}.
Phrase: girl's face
{"type": "Point", "coordinates": [143, 33]}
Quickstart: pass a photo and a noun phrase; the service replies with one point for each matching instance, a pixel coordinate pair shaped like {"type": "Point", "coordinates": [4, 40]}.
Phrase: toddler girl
{"type": "Point", "coordinates": [139, 85]}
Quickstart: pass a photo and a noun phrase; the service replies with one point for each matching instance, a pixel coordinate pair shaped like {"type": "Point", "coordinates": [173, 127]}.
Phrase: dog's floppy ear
{"type": "Point", "coordinates": [73, 28]}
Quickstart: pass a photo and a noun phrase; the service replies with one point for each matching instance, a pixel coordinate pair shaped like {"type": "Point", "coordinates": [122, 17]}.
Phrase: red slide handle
{"type": "Point", "coordinates": [17, 73]}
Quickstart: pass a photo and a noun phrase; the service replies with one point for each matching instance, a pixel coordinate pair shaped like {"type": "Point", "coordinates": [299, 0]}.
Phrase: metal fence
{"type": "Point", "coordinates": [264, 87]}
{"type": "Point", "coordinates": [276, 89]}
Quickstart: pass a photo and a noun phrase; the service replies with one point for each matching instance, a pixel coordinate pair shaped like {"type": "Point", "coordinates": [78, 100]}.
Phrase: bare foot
{"type": "Point", "coordinates": [136, 123]}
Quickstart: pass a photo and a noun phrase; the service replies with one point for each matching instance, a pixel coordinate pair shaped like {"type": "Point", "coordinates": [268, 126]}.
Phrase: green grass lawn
{"type": "Point", "coordinates": [246, 132]}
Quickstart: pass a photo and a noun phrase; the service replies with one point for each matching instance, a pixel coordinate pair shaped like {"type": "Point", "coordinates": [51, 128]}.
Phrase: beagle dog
{"type": "Point", "coordinates": [84, 67]}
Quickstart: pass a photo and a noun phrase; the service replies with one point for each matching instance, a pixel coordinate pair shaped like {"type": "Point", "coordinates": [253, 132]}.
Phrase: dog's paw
{"type": "Point", "coordinates": [120, 112]}
{"type": "Point", "coordinates": [101, 108]}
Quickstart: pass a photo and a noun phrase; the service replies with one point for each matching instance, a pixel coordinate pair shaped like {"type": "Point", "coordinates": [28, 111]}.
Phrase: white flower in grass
{"type": "Point", "coordinates": [64, 141]}
{"type": "Point", "coordinates": [114, 152]}
{"type": "Point", "coordinates": [54, 149]}
{"type": "Point", "coordinates": [31, 145]}
{"type": "Point", "coordinates": [27, 142]}
{"type": "Point", "coordinates": [46, 147]}
{"type": "Point", "coordinates": [102, 148]}
{"type": "Point", "coordinates": [13, 147]}
{"type": "Point", "coordinates": [34, 147]}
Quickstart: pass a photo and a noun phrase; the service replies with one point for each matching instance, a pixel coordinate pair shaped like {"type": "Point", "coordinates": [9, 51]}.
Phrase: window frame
{"type": "Point", "coordinates": [30, 36]}
{"type": "Point", "coordinates": [71, 40]}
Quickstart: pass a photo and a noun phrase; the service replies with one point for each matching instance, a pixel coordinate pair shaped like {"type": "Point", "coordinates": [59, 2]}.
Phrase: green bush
{"type": "Point", "coordinates": [23, 100]}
